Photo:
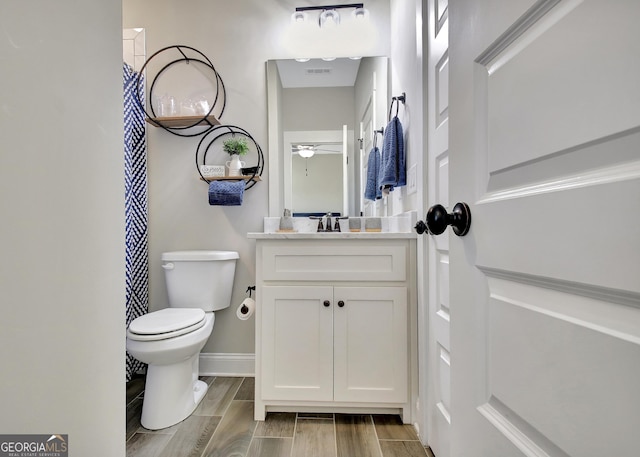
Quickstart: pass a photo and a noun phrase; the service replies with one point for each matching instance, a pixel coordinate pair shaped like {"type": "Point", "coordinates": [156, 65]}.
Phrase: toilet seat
{"type": "Point", "coordinates": [166, 323]}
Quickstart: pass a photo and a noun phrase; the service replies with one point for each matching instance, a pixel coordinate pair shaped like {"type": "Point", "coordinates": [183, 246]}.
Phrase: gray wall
{"type": "Point", "coordinates": [180, 216]}
{"type": "Point", "coordinates": [317, 183]}
{"type": "Point", "coordinates": [62, 335]}
{"type": "Point", "coordinates": [318, 108]}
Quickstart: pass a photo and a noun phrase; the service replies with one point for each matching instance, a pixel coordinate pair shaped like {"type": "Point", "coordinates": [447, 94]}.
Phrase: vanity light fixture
{"type": "Point", "coordinates": [329, 16]}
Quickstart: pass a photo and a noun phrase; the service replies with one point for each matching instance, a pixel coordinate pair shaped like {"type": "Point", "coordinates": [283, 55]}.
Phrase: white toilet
{"type": "Point", "coordinates": [170, 340]}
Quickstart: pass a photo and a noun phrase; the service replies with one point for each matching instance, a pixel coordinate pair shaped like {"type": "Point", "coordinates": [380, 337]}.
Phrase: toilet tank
{"type": "Point", "coordinates": [199, 279]}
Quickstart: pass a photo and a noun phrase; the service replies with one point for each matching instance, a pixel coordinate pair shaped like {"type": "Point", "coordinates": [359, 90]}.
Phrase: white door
{"type": "Point", "coordinates": [544, 145]}
{"type": "Point", "coordinates": [439, 349]}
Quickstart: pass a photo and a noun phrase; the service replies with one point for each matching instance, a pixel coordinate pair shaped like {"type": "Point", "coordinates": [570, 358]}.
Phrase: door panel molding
{"type": "Point", "coordinates": [549, 368]}
{"type": "Point", "coordinates": [571, 167]}
{"type": "Point", "coordinates": [523, 436]}
{"type": "Point", "coordinates": [604, 294]}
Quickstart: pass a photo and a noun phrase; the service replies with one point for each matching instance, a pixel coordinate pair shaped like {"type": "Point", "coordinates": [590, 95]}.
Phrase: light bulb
{"type": "Point", "coordinates": [329, 18]}
{"type": "Point", "coordinates": [360, 14]}
{"type": "Point", "coordinates": [298, 17]}
{"type": "Point", "coordinates": [306, 151]}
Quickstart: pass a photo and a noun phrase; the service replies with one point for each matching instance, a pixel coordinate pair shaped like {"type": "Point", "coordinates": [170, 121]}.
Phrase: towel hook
{"type": "Point", "coordinates": [375, 137]}
{"type": "Point", "coordinates": [397, 100]}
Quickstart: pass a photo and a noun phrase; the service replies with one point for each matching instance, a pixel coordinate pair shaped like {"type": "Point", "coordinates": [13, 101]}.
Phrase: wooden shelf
{"type": "Point", "coordinates": [232, 178]}
{"type": "Point", "coordinates": [182, 121]}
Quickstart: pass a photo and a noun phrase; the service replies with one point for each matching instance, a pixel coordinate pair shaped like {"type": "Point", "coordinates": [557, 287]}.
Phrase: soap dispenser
{"type": "Point", "coordinates": [286, 222]}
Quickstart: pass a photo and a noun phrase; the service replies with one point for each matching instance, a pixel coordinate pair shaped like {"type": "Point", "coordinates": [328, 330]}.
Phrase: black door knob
{"type": "Point", "coordinates": [420, 227]}
{"type": "Point", "coordinates": [437, 220]}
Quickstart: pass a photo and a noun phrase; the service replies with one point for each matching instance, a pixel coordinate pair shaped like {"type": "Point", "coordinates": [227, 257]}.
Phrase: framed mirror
{"type": "Point", "coordinates": [333, 109]}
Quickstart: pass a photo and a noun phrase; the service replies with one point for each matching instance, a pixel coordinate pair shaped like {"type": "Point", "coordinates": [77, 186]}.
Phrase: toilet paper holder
{"type": "Point", "coordinates": [244, 309]}
{"type": "Point", "coordinates": [247, 307]}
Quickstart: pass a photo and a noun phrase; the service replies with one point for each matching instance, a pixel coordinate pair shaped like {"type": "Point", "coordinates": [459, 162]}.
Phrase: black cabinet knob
{"type": "Point", "coordinates": [327, 303]}
{"type": "Point", "coordinates": [340, 303]}
{"type": "Point", "coordinates": [437, 220]}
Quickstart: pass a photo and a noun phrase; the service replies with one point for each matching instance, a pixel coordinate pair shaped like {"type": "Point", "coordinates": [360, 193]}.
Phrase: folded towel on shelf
{"type": "Point", "coordinates": [372, 189]}
{"type": "Point", "coordinates": [392, 162]}
{"type": "Point", "coordinates": [226, 193]}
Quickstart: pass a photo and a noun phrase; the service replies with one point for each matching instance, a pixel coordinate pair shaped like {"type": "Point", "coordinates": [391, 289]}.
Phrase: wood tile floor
{"type": "Point", "coordinates": [223, 426]}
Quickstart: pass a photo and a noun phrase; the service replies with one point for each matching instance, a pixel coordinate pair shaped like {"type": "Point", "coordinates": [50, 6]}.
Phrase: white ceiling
{"type": "Point", "coordinates": [318, 73]}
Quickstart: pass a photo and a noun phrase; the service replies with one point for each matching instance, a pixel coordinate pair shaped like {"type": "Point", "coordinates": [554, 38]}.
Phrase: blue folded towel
{"type": "Point", "coordinates": [392, 162]}
{"type": "Point", "coordinates": [226, 193]}
{"type": "Point", "coordinates": [372, 189]}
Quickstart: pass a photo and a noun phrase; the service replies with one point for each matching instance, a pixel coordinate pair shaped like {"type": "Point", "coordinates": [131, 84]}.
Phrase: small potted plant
{"type": "Point", "coordinates": [235, 147]}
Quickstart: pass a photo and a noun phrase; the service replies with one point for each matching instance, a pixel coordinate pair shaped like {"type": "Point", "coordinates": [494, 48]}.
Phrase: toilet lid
{"type": "Point", "coordinates": [166, 323]}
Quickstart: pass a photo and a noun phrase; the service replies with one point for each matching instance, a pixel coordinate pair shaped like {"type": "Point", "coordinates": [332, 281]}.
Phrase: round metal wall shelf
{"type": "Point", "coordinates": [182, 125]}
{"type": "Point", "coordinates": [251, 175]}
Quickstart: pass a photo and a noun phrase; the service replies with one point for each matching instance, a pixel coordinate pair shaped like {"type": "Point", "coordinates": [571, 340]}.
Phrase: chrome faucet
{"type": "Point", "coordinates": [327, 224]}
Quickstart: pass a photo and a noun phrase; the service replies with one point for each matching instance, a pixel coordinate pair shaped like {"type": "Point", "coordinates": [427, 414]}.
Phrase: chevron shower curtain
{"type": "Point", "coordinates": [135, 161]}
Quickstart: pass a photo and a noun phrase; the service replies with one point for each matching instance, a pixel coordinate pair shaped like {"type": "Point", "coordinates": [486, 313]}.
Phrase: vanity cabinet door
{"type": "Point", "coordinates": [297, 343]}
{"type": "Point", "coordinates": [370, 344]}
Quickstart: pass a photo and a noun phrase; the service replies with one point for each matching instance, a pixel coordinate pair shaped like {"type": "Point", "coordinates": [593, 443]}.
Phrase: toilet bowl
{"type": "Point", "coordinates": [169, 340]}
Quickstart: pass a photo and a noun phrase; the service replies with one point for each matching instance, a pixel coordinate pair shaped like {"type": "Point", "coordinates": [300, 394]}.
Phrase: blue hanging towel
{"type": "Point", "coordinates": [226, 193]}
{"type": "Point", "coordinates": [372, 189]}
{"type": "Point", "coordinates": [392, 163]}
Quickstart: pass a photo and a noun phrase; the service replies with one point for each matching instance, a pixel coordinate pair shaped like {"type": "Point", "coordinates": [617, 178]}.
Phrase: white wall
{"type": "Point", "coordinates": [238, 37]}
{"type": "Point", "coordinates": [62, 203]}
{"type": "Point", "coordinates": [407, 76]}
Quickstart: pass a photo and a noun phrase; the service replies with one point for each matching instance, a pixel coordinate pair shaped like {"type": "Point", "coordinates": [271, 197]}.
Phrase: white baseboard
{"type": "Point", "coordinates": [227, 364]}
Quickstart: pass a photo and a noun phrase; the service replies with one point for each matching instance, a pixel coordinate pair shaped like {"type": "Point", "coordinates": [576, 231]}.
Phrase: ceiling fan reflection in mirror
{"type": "Point", "coordinates": [307, 151]}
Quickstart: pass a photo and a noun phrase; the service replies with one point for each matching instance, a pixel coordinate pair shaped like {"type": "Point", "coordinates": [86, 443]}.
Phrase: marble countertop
{"type": "Point", "coordinates": [331, 235]}
{"type": "Point", "coordinates": [393, 227]}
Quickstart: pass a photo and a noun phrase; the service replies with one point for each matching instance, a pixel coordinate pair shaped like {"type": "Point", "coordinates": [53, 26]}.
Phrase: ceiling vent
{"type": "Point", "coordinates": [318, 71]}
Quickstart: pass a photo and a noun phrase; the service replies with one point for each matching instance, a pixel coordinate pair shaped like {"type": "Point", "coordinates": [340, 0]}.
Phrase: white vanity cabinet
{"type": "Point", "coordinates": [334, 329]}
